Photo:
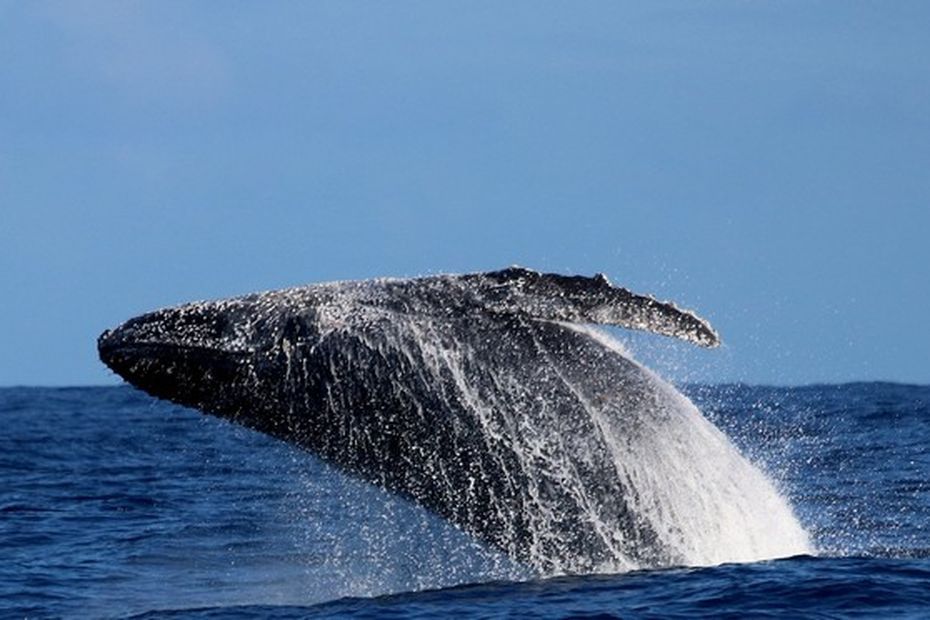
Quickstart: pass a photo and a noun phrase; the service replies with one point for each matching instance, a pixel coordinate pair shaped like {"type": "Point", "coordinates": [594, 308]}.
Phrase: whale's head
{"type": "Point", "coordinates": [216, 356]}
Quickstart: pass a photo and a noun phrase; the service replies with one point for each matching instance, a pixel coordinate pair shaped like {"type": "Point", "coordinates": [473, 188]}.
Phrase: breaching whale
{"type": "Point", "coordinates": [485, 398]}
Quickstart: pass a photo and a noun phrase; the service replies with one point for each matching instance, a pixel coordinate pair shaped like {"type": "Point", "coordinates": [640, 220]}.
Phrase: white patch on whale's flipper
{"type": "Point", "coordinates": [580, 299]}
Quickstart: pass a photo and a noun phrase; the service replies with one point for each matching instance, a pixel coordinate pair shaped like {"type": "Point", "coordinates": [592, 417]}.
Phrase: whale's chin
{"type": "Point", "coordinates": [189, 376]}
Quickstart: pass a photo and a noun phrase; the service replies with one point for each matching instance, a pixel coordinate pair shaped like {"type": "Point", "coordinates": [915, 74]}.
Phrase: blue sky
{"type": "Point", "coordinates": [767, 164]}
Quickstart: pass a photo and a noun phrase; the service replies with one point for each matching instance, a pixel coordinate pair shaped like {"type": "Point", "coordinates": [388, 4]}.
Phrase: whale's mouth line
{"type": "Point", "coordinates": [113, 354]}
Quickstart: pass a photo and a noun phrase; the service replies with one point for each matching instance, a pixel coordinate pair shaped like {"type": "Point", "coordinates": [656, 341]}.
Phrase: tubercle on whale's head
{"type": "Point", "coordinates": [179, 354]}
{"type": "Point", "coordinates": [207, 355]}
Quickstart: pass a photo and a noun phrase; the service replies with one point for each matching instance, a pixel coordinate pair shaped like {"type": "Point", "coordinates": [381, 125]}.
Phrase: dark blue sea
{"type": "Point", "coordinates": [113, 504]}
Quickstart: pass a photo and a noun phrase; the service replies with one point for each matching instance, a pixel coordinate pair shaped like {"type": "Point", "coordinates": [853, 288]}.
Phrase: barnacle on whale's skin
{"type": "Point", "coordinates": [485, 398]}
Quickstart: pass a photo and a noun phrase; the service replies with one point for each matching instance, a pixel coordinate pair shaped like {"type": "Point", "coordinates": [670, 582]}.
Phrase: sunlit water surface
{"type": "Point", "coordinates": [113, 504]}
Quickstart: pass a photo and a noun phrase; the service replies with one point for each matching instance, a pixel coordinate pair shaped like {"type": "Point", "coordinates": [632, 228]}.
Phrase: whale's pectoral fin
{"type": "Point", "coordinates": [580, 299]}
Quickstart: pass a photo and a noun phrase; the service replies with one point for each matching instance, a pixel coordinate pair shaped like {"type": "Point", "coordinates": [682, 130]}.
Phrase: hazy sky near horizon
{"type": "Point", "coordinates": [767, 164]}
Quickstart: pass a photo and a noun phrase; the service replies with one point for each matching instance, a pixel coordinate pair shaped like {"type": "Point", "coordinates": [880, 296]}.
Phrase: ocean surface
{"type": "Point", "coordinates": [113, 504]}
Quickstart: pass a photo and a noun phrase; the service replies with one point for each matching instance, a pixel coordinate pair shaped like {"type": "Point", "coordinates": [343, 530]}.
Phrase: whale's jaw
{"type": "Point", "coordinates": [149, 353]}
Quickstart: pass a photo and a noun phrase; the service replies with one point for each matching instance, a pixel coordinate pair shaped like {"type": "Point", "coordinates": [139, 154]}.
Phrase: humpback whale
{"type": "Point", "coordinates": [485, 398]}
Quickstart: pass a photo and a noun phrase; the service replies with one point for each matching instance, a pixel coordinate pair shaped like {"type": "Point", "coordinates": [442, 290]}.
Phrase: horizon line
{"type": "Point", "coordinates": [812, 384]}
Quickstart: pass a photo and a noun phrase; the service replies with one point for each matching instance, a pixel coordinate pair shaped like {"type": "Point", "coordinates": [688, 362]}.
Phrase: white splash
{"type": "Point", "coordinates": [681, 477]}
{"type": "Point", "coordinates": [705, 500]}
